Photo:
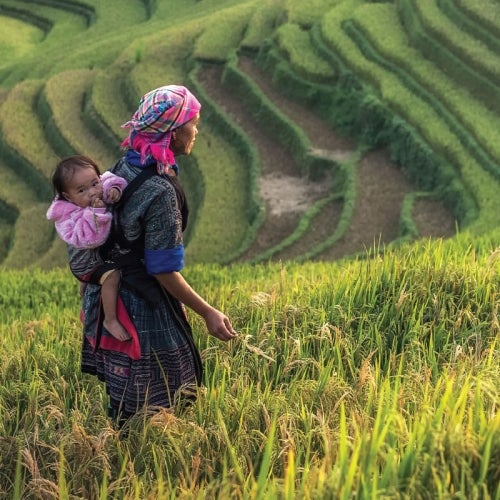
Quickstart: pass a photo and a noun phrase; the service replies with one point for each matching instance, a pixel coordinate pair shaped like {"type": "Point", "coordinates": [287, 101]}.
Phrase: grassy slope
{"type": "Point", "coordinates": [17, 39]}
{"type": "Point", "coordinates": [360, 387]}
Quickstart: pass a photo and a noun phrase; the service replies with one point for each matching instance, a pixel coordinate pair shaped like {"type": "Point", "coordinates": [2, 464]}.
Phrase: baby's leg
{"type": "Point", "coordinates": [109, 295]}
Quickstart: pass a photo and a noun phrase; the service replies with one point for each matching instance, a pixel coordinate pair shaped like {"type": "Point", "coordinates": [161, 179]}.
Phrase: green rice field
{"type": "Point", "coordinates": [345, 213]}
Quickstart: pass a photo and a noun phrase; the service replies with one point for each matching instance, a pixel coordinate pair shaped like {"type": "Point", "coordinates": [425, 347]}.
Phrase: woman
{"type": "Point", "coordinates": [147, 246]}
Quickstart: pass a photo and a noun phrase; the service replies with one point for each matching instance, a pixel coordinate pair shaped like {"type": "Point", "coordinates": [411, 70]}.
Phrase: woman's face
{"type": "Point", "coordinates": [183, 137]}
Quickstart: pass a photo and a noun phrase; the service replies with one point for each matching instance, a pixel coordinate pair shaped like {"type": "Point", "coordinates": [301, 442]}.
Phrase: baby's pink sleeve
{"type": "Point", "coordinates": [110, 180]}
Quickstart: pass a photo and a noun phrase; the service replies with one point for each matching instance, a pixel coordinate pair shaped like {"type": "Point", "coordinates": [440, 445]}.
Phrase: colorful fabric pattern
{"type": "Point", "coordinates": [160, 112]}
{"type": "Point", "coordinates": [168, 359]}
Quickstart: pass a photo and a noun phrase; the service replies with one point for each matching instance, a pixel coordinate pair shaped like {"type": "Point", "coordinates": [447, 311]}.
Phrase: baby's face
{"type": "Point", "coordinates": [84, 187]}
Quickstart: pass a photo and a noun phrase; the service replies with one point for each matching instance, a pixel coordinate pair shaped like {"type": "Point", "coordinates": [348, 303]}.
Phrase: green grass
{"type": "Point", "coordinates": [63, 21]}
{"type": "Point", "coordinates": [110, 112]}
{"type": "Point", "coordinates": [215, 44]}
{"type": "Point", "coordinates": [80, 74]}
{"type": "Point", "coordinates": [157, 64]}
{"type": "Point", "coordinates": [65, 95]}
{"type": "Point", "coordinates": [70, 44]}
{"type": "Point", "coordinates": [224, 180]}
{"type": "Point", "coordinates": [22, 129]}
{"type": "Point", "coordinates": [374, 377]}
{"type": "Point", "coordinates": [17, 39]}
{"type": "Point", "coordinates": [296, 44]}
{"type": "Point", "coordinates": [6, 232]}
{"type": "Point", "coordinates": [13, 189]}
{"type": "Point", "coordinates": [108, 17]}
{"type": "Point", "coordinates": [473, 52]}
{"type": "Point", "coordinates": [392, 44]}
{"type": "Point", "coordinates": [484, 12]}
{"type": "Point", "coordinates": [455, 50]}
{"type": "Point", "coordinates": [33, 236]}
{"type": "Point", "coordinates": [385, 384]}
{"type": "Point", "coordinates": [306, 13]}
{"type": "Point", "coordinates": [473, 26]}
{"type": "Point", "coordinates": [262, 23]}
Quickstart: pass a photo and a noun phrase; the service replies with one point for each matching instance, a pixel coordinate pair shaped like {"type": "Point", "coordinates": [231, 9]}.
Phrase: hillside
{"type": "Point", "coordinates": [345, 207]}
{"type": "Point", "coordinates": [326, 130]}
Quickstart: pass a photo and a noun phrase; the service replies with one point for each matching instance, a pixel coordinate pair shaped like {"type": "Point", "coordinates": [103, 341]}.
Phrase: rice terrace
{"type": "Point", "coordinates": [345, 207]}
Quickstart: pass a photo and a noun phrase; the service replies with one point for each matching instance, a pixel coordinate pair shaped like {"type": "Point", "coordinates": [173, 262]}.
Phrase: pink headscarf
{"type": "Point", "coordinates": [160, 112]}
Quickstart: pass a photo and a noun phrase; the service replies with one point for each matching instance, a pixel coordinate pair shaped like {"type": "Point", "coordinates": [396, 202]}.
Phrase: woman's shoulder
{"type": "Point", "coordinates": [153, 192]}
{"type": "Point", "coordinates": [155, 189]}
{"type": "Point", "coordinates": [156, 183]}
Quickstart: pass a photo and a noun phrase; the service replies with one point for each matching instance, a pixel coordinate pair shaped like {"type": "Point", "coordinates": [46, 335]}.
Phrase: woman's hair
{"type": "Point", "coordinates": [66, 168]}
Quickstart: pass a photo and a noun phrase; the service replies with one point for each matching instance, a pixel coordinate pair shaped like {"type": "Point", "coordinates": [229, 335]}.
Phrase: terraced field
{"type": "Point", "coordinates": [327, 128]}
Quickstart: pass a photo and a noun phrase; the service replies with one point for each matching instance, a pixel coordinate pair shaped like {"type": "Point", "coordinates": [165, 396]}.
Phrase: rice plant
{"type": "Point", "coordinates": [374, 377]}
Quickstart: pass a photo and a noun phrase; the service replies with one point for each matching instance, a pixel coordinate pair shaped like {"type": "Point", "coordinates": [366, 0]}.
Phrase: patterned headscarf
{"type": "Point", "coordinates": [160, 112]}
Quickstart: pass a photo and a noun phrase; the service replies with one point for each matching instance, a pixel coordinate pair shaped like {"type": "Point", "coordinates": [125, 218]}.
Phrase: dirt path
{"type": "Point", "coordinates": [381, 186]}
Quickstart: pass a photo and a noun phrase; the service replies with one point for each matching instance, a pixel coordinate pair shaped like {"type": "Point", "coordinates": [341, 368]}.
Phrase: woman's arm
{"type": "Point", "coordinates": [218, 323]}
{"type": "Point", "coordinates": [164, 258]}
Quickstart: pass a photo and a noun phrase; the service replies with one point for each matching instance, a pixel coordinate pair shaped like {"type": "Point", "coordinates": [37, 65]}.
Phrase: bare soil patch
{"type": "Point", "coordinates": [381, 188]}
{"type": "Point", "coordinates": [433, 219]}
{"type": "Point", "coordinates": [287, 194]}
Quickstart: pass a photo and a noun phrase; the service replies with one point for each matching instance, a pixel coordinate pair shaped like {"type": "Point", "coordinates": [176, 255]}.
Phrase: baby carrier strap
{"type": "Point", "coordinates": [130, 261]}
{"type": "Point", "coordinates": [134, 184]}
{"type": "Point", "coordinates": [116, 235]}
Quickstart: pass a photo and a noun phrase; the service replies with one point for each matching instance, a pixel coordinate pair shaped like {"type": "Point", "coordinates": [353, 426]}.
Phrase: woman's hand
{"type": "Point", "coordinates": [218, 325]}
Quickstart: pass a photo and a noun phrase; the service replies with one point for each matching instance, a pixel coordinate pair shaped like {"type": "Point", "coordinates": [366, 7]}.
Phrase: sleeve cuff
{"type": "Point", "coordinates": [164, 261]}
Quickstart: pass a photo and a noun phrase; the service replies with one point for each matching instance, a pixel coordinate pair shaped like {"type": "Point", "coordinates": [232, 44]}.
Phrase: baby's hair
{"type": "Point", "coordinates": [66, 168]}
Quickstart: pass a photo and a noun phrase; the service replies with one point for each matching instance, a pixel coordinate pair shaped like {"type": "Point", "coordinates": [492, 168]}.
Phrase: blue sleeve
{"type": "Point", "coordinates": [165, 260]}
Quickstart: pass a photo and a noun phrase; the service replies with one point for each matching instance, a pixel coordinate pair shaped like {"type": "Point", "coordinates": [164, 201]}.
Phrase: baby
{"type": "Point", "coordinates": [83, 220]}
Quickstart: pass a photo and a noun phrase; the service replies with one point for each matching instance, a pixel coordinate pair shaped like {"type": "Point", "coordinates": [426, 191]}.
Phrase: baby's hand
{"type": "Point", "coordinates": [114, 195]}
{"type": "Point", "coordinates": [98, 203]}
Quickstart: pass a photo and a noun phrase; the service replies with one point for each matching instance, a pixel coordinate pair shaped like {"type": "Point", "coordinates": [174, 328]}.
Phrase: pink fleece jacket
{"type": "Point", "coordinates": [85, 227]}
